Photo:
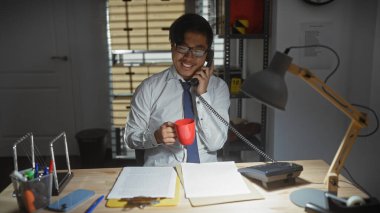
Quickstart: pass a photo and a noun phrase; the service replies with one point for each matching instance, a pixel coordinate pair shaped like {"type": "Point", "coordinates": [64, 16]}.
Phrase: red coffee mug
{"type": "Point", "coordinates": [185, 129]}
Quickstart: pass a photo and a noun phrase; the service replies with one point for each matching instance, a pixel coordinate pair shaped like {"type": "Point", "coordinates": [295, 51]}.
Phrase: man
{"type": "Point", "coordinates": [159, 101]}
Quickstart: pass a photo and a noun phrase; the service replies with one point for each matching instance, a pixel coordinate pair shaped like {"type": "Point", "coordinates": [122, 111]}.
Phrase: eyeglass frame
{"type": "Point", "coordinates": [190, 49]}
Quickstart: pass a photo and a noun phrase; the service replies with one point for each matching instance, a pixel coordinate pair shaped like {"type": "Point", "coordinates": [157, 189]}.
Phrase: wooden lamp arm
{"type": "Point", "coordinates": [358, 121]}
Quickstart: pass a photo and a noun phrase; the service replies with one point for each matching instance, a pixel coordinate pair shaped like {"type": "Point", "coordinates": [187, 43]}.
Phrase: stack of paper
{"type": "Point", "coordinates": [149, 182]}
{"type": "Point", "coordinates": [212, 179]}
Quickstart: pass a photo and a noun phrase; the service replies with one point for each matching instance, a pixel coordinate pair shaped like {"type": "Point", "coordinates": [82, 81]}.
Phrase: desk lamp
{"type": "Point", "coordinates": [269, 87]}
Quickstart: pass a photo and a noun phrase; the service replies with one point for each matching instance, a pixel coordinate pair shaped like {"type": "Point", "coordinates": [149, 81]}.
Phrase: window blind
{"type": "Point", "coordinates": [139, 44]}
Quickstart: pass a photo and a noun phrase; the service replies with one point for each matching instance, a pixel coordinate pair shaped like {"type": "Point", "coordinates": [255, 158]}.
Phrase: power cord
{"type": "Point", "coordinates": [353, 182]}
{"type": "Point", "coordinates": [376, 119]}
{"type": "Point", "coordinates": [287, 50]}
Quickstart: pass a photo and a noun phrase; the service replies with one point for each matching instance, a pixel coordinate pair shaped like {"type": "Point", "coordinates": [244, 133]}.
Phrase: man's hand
{"type": "Point", "coordinates": [166, 134]}
{"type": "Point", "coordinates": [203, 76]}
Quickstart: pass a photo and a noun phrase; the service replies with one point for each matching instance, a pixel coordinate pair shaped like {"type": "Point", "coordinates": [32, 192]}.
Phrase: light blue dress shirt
{"type": "Point", "coordinates": [158, 99]}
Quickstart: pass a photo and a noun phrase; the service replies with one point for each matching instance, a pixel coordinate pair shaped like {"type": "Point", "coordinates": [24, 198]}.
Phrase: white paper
{"type": "Point", "coordinates": [150, 182]}
{"type": "Point", "coordinates": [315, 57]}
{"type": "Point", "coordinates": [212, 179]}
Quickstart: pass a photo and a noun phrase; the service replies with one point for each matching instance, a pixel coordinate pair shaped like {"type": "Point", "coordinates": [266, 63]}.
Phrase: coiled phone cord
{"type": "Point", "coordinates": [249, 143]}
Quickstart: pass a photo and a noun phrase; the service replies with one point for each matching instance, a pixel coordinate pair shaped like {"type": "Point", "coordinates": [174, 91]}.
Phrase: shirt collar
{"type": "Point", "coordinates": [173, 74]}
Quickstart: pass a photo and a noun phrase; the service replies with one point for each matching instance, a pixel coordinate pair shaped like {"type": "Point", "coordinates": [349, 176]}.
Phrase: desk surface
{"type": "Point", "coordinates": [276, 200]}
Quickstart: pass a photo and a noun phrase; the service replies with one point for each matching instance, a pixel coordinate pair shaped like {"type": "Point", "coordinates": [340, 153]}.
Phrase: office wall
{"type": "Point", "coordinates": [312, 128]}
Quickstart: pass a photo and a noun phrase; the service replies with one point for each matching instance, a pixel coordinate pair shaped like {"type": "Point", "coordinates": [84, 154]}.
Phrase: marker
{"type": "Point", "coordinates": [19, 176]}
{"type": "Point", "coordinates": [29, 174]}
{"type": "Point", "coordinates": [36, 171]}
{"type": "Point", "coordinates": [46, 171]}
{"type": "Point", "coordinates": [29, 200]}
{"type": "Point", "coordinates": [93, 205]}
{"type": "Point", "coordinates": [51, 166]}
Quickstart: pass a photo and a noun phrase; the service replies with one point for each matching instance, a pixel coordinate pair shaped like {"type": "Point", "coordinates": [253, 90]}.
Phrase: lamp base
{"type": "Point", "coordinates": [273, 174]}
{"type": "Point", "coordinates": [318, 201]}
{"type": "Point", "coordinates": [303, 196]}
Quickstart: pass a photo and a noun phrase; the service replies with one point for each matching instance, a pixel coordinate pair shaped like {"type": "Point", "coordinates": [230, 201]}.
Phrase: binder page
{"type": "Point", "coordinates": [212, 179]}
{"type": "Point", "coordinates": [152, 182]}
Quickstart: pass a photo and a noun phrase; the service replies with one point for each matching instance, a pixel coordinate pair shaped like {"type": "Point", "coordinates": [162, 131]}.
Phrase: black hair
{"type": "Point", "coordinates": [190, 22]}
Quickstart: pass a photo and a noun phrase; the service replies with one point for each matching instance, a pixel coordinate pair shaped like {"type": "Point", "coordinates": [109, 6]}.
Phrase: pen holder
{"type": "Point", "coordinates": [32, 194]}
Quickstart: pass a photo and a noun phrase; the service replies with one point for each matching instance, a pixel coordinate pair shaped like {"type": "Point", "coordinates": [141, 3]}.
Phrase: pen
{"type": "Point", "coordinates": [93, 205]}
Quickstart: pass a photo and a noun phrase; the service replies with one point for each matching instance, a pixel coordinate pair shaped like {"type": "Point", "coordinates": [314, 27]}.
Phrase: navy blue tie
{"type": "Point", "coordinates": [192, 150]}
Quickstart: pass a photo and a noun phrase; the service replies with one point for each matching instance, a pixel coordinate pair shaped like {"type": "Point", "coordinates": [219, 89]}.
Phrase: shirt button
{"type": "Point", "coordinates": [198, 102]}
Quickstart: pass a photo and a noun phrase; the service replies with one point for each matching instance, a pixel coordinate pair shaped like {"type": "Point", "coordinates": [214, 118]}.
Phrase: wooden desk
{"type": "Point", "coordinates": [102, 180]}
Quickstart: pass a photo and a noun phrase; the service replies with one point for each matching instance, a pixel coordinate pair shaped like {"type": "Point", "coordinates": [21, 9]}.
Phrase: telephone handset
{"type": "Point", "coordinates": [209, 61]}
{"type": "Point", "coordinates": [210, 58]}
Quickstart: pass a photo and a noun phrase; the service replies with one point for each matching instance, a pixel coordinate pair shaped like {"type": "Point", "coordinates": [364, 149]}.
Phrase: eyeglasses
{"type": "Point", "coordinates": [196, 52]}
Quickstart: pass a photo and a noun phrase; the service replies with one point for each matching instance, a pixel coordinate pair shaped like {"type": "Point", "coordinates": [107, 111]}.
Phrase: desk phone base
{"type": "Point", "coordinates": [273, 174]}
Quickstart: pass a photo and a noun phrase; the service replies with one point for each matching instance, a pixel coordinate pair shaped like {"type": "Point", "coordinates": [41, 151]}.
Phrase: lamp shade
{"type": "Point", "coordinates": [268, 86]}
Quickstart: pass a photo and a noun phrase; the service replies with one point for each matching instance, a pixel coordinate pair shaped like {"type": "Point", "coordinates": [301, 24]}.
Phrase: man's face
{"type": "Point", "coordinates": [187, 63]}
